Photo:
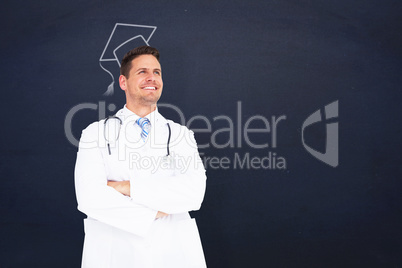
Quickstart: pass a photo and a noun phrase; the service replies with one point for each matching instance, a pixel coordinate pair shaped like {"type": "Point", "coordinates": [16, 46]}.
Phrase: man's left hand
{"type": "Point", "coordinates": [122, 187]}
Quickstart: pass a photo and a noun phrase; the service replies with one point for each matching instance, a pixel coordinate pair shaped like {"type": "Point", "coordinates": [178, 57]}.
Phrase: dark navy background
{"type": "Point", "coordinates": [275, 57]}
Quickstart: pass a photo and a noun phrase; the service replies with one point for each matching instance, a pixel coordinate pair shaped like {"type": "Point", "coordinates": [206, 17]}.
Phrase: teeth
{"type": "Point", "coordinates": [153, 88]}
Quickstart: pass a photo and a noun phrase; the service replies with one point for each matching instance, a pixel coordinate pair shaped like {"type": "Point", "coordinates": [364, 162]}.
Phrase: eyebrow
{"type": "Point", "coordinates": [156, 69]}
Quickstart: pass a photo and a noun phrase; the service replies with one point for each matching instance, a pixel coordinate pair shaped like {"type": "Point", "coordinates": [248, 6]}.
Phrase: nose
{"type": "Point", "coordinates": [151, 77]}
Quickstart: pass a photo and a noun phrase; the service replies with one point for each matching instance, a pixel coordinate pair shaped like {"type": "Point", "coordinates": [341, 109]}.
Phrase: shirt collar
{"type": "Point", "coordinates": [155, 117]}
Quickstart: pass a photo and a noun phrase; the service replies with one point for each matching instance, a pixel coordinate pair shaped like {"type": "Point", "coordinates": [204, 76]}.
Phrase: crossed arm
{"type": "Point", "coordinates": [123, 187]}
{"type": "Point", "coordinates": [108, 202]}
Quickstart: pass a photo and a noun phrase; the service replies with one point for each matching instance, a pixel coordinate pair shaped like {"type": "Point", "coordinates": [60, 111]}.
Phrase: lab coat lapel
{"type": "Point", "coordinates": [129, 129]}
{"type": "Point", "coordinates": [159, 134]}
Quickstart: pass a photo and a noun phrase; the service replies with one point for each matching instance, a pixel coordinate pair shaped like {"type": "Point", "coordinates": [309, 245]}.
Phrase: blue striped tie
{"type": "Point", "coordinates": [145, 126]}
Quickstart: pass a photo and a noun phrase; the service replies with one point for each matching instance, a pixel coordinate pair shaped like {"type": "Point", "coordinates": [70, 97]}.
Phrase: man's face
{"type": "Point", "coordinates": [144, 85]}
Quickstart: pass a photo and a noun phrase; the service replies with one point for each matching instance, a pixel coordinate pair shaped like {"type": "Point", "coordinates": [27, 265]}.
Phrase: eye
{"type": "Point", "coordinates": [157, 72]}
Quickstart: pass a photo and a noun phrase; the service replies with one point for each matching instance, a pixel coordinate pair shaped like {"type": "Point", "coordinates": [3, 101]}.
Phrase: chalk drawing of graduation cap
{"type": "Point", "coordinates": [123, 38]}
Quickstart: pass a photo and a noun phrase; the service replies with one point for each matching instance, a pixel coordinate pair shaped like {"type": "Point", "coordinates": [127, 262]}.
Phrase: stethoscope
{"type": "Point", "coordinates": [167, 156]}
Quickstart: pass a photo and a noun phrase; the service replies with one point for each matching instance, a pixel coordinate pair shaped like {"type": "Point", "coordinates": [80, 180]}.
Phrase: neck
{"type": "Point", "coordinates": [141, 111]}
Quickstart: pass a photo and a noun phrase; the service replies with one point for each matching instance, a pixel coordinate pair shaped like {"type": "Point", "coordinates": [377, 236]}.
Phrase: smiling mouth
{"type": "Point", "coordinates": [150, 88]}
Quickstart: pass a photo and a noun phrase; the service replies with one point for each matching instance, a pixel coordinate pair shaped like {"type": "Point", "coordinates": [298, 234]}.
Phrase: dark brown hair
{"type": "Point", "coordinates": [134, 53]}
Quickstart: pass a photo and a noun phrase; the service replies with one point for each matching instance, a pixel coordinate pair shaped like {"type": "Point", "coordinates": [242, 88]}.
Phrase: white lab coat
{"type": "Point", "coordinates": [121, 231]}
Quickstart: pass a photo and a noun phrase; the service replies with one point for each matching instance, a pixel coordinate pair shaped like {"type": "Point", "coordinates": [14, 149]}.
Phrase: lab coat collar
{"type": "Point", "coordinates": [155, 117]}
{"type": "Point", "coordinates": [132, 129]}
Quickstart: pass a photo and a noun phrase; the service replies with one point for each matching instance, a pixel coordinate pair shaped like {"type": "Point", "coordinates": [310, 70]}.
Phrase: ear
{"type": "Point", "coordinates": [123, 82]}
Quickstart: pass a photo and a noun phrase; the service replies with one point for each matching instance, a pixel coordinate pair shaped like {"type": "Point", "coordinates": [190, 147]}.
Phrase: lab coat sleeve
{"type": "Point", "coordinates": [182, 192]}
{"type": "Point", "coordinates": [99, 201]}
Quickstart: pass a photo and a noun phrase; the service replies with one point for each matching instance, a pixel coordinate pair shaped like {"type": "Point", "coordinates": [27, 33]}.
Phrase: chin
{"type": "Point", "coordinates": [151, 101]}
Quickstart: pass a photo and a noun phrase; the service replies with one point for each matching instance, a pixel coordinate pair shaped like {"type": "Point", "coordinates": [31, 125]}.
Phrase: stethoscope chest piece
{"type": "Point", "coordinates": [168, 160]}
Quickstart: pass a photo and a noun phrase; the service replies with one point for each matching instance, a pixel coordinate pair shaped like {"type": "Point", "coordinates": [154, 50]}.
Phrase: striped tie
{"type": "Point", "coordinates": [145, 126]}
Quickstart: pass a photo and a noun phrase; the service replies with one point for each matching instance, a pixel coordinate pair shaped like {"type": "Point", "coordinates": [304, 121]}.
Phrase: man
{"type": "Point", "coordinates": [137, 175]}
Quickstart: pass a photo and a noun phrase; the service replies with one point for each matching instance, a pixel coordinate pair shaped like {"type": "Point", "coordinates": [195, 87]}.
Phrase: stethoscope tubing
{"type": "Point", "coordinates": [121, 122]}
